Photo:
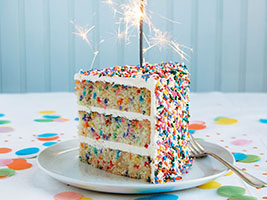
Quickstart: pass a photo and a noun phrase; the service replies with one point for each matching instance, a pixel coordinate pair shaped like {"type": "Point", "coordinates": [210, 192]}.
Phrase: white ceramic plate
{"type": "Point", "coordinates": [61, 162]}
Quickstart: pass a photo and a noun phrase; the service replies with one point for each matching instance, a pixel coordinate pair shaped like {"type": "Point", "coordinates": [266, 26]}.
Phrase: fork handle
{"type": "Point", "coordinates": [249, 179]}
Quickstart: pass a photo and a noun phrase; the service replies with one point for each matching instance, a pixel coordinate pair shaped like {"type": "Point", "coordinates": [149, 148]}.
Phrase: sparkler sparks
{"type": "Point", "coordinates": [129, 16]}
{"type": "Point", "coordinates": [82, 32]}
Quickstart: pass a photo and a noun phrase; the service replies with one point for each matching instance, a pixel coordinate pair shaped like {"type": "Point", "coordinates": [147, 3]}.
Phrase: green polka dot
{"type": "Point", "coordinates": [199, 139]}
{"type": "Point", "coordinates": [7, 172]}
{"type": "Point", "coordinates": [242, 198]}
{"type": "Point", "coordinates": [250, 159]}
{"type": "Point", "coordinates": [230, 191]}
{"type": "Point", "coordinates": [43, 120]}
{"type": "Point", "coordinates": [4, 122]}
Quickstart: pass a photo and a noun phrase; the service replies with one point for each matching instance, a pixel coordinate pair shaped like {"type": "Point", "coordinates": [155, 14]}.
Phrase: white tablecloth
{"type": "Point", "coordinates": [248, 136]}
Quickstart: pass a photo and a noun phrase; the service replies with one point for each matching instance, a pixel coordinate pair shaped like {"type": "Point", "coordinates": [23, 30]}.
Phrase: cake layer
{"type": "Point", "coordinates": [117, 162]}
{"type": "Point", "coordinates": [116, 129]}
{"type": "Point", "coordinates": [113, 96]}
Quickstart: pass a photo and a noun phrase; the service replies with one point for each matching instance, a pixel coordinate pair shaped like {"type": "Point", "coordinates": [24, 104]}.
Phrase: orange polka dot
{"type": "Point", "coordinates": [48, 139]}
{"type": "Point", "coordinates": [256, 165]}
{"type": "Point", "coordinates": [197, 126]}
{"type": "Point", "coordinates": [264, 197]}
{"type": "Point", "coordinates": [265, 174]}
{"type": "Point", "coordinates": [244, 169]}
{"type": "Point", "coordinates": [5, 150]}
{"type": "Point", "coordinates": [226, 146]}
{"type": "Point", "coordinates": [207, 135]}
{"type": "Point", "coordinates": [221, 140]}
{"type": "Point", "coordinates": [19, 164]}
{"type": "Point", "coordinates": [244, 150]}
{"type": "Point", "coordinates": [262, 154]}
{"type": "Point", "coordinates": [61, 133]}
{"type": "Point", "coordinates": [255, 147]}
{"type": "Point", "coordinates": [5, 140]}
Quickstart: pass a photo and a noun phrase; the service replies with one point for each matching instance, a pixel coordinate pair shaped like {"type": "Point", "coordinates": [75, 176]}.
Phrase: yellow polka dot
{"type": "Point", "coordinates": [45, 112]}
{"type": "Point", "coordinates": [229, 173]}
{"type": "Point", "coordinates": [210, 185]}
{"type": "Point", "coordinates": [226, 121]}
{"type": "Point", "coordinates": [85, 198]}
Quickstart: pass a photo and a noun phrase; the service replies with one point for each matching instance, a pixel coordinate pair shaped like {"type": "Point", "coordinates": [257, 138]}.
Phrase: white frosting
{"type": "Point", "coordinates": [115, 113]}
{"type": "Point", "coordinates": [129, 81]}
{"type": "Point", "coordinates": [99, 144]}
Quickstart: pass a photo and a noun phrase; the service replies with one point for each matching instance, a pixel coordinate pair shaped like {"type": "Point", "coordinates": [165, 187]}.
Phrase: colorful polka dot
{"type": "Point", "coordinates": [159, 197]}
{"type": "Point", "coordinates": [6, 172]}
{"type": "Point", "coordinates": [2, 115]}
{"type": "Point", "coordinates": [199, 139]}
{"type": "Point", "coordinates": [229, 191]}
{"type": "Point", "coordinates": [4, 122]}
{"type": "Point", "coordinates": [197, 125]}
{"type": "Point", "coordinates": [47, 112]}
{"type": "Point", "coordinates": [43, 120]}
{"type": "Point", "coordinates": [27, 151]}
{"type": "Point", "coordinates": [51, 116]}
{"type": "Point", "coordinates": [47, 144]}
{"type": "Point", "coordinates": [242, 198]}
{"type": "Point", "coordinates": [210, 185]}
{"type": "Point", "coordinates": [250, 159]}
{"type": "Point", "coordinates": [85, 198]}
{"type": "Point", "coordinates": [47, 135]}
{"type": "Point", "coordinates": [241, 142]}
{"type": "Point", "coordinates": [5, 162]}
{"type": "Point", "coordinates": [61, 120]}
{"type": "Point", "coordinates": [6, 129]}
{"type": "Point", "coordinates": [19, 164]}
{"type": "Point", "coordinates": [239, 156]}
{"type": "Point", "coordinates": [264, 121]}
{"type": "Point", "coordinates": [5, 150]}
{"type": "Point", "coordinates": [225, 121]}
{"type": "Point", "coordinates": [48, 138]}
{"type": "Point", "coordinates": [68, 196]}
{"type": "Point", "coordinates": [76, 119]}
{"type": "Point", "coordinates": [191, 131]}
{"type": "Point", "coordinates": [229, 173]}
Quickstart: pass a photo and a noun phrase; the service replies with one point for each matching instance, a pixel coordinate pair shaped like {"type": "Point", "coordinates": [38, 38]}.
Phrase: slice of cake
{"type": "Point", "coordinates": [133, 121]}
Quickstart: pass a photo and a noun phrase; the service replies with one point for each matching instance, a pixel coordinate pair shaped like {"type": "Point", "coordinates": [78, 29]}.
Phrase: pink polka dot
{"type": "Point", "coordinates": [68, 196]}
{"type": "Point", "coordinates": [5, 162]}
{"type": "Point", "coordinates": [241, 142]}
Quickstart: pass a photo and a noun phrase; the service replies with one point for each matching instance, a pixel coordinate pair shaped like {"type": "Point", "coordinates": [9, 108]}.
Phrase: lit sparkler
{"type": "Point", "coordinates": [131, 15]}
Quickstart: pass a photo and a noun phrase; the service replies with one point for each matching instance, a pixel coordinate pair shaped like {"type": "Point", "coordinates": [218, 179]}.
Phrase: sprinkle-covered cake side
{"type": "Point", "coordinates": [172, 113]}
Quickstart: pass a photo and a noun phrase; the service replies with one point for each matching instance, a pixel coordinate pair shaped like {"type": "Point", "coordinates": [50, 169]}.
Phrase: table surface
{"type": "Point", "coordinates": [235, 121]}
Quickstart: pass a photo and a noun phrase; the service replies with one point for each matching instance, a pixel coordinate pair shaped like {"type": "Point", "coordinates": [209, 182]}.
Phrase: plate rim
{"type": "Point", "coordinates": [142, 185]}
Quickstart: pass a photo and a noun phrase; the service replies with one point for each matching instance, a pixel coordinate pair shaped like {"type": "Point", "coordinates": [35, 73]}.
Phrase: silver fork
{"type": "Point", "coordinates": [197, 151]}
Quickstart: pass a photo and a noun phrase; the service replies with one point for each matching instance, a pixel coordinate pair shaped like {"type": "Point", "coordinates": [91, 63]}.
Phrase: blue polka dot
{"type": "Point", "coordinates": [47, 144]}
{"type": "Point", "coordinates": [239, 156]}
{"type": "Point", "coordinates": [159, 197]}
{"type": "Point", "coordinates": [2, 115]}
{"type": "Point", "coordinates": [27, 151]}
{"type": "Point", "coordinates": [51, 116]}
{"type": "Point", "coordinates": [76, 119]}
{"type": "Point", "coordinates": [191, 131]}
{"type": "Point", "coordinates": [264, 121]}
{"type": "Point", "coordinates": [47, 135]}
